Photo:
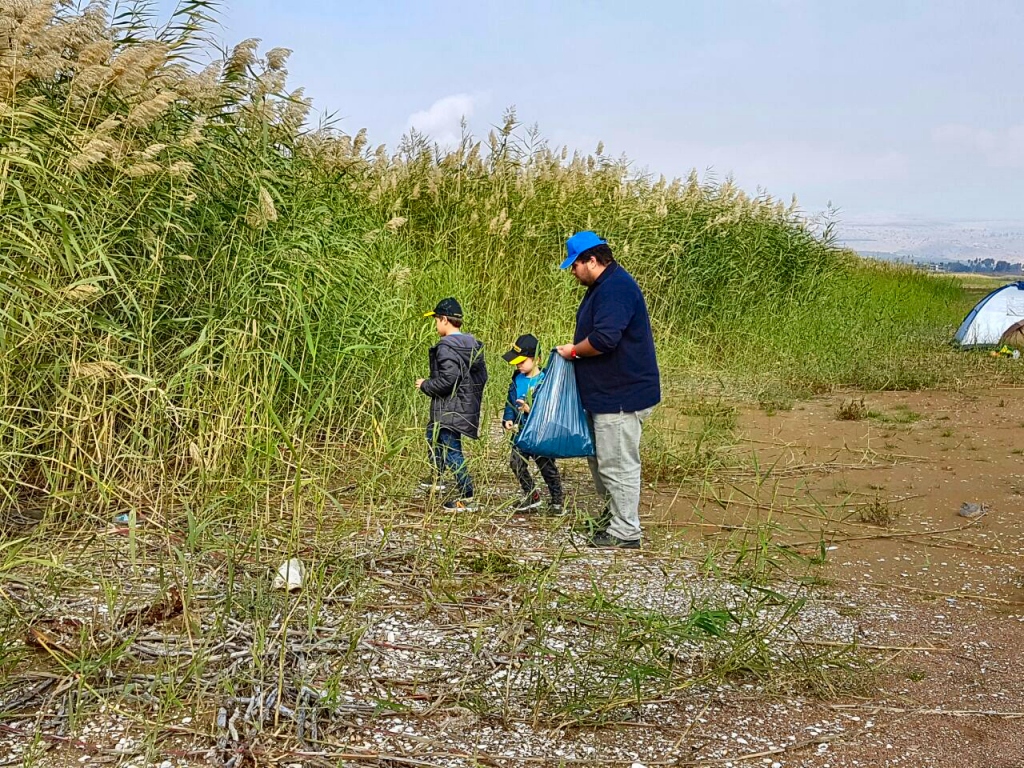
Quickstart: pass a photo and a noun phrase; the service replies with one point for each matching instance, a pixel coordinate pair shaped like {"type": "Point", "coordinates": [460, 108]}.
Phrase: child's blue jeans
{"type": "Point", "coordinates": [446, 453]}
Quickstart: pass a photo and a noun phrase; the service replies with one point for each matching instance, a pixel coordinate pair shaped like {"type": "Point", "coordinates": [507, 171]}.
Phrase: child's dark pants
{"type": "Point", "coordinates": [548, 470]}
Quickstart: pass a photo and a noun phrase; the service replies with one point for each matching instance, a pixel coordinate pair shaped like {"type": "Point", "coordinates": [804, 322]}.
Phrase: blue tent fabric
{"type": "Point", "coordinates": [962, 330]}
{"type": "Point", "coordinates": [558, 427]}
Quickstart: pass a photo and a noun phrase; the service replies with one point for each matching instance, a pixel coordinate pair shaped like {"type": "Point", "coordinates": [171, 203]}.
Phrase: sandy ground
{"type": "Point", "coordinates": [931, 579]}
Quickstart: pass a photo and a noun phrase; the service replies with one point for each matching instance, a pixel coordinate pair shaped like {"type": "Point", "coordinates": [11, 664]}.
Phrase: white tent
{"type": "Point", "coordinates": [992, 316]}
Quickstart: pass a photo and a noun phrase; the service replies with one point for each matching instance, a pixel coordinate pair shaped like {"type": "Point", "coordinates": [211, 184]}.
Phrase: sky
{"type": "Point", "coordinates": [883, 108]}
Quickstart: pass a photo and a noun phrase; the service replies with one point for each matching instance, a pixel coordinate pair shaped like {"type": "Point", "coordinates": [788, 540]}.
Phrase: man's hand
{"type": "Point", "coordinates": [581, 349]}
{"type": "Point", "coordinates": [419, 383]}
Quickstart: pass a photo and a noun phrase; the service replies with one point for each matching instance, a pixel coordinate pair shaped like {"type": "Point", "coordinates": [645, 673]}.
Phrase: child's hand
{"type": "Point", "coordinates": [508, 425]}
{"type": "Point", "coordinates": [523, 406]}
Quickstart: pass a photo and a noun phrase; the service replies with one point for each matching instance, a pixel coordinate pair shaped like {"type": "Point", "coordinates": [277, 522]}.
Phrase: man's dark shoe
{"type": "Point", "coordinates": [529, 502]}
{"type": "Point", "coordinates": [605, 539]}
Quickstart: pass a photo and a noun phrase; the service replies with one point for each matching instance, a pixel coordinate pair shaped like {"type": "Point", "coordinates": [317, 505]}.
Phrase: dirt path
{"type": "Point", "coordinates": [883, 492]}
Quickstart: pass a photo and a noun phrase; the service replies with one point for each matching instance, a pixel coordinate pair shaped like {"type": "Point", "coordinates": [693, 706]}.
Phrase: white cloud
{"type": "Point", "coordinates": [1001, 148]}
{"type": "Point", "coordinates": [442, 120]}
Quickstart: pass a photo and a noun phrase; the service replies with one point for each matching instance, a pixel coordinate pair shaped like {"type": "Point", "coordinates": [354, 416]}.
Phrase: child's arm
{"type": "Point", "coordinates": [448, 372]}
{"type": "Point", "coordinates": [510, 404]}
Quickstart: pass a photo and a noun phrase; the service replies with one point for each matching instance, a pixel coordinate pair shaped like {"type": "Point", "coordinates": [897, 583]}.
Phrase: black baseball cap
{"type": "Point", "coordinates": [525, 346]}
{"type": "Point", "coordinates": [446, 308]}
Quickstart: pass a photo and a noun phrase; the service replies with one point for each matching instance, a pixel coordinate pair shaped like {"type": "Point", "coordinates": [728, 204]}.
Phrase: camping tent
{"type": "Point", "coordinates": [992, 316]}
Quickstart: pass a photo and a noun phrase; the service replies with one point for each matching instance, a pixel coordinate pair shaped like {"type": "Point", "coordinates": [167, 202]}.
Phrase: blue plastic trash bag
{"type": "Point", "coordinates": [557, 426]}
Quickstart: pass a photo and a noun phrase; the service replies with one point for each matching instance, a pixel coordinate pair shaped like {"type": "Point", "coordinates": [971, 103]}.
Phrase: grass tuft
{"type": "Point", "coordinates": [852, 410]}
{"type": "Point", "coordinates": [881, 513]}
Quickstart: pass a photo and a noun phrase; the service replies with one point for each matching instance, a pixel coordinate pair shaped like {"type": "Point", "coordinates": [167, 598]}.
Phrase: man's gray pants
{"type": "Point", "coordinates": [616, 469]}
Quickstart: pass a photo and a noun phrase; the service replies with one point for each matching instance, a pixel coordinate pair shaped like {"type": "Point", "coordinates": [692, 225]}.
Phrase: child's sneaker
{"type": "Point", "coordinates": [461, 505]}
{"type": "Point", "coordinates": [433, 486]}
{"type": "Point", "coordinates": [528, 502]}
{"type": "Point", "coordinates": [554, 508]}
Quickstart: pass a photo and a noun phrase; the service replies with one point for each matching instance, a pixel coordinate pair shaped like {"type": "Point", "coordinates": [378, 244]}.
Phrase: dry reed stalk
{"type": "Point", "coordinates": [264, 211]}
{"type": "Point", "coordinates": [82, 293]}
{"type": "Point", "coordinates": [277, 58]}
{"type": "Point", "coordinates": [98, 370]}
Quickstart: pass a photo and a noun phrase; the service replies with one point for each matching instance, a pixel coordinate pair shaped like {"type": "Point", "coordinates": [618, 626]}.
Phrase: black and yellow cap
{"type": "Point", "coordinates": [525, 346]}
{"type": "Point", "coordinates": [446, 308]}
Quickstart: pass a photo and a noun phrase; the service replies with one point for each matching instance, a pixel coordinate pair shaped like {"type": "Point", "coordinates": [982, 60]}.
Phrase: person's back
{"type": "Point", "coordinates": [458, 373]}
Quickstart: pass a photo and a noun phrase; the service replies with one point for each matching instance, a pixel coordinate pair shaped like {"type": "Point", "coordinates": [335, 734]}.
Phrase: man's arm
{"type": "Point", "coordinates": [583, 349]}
{"type": "Point", "coordinates": [611, 317]}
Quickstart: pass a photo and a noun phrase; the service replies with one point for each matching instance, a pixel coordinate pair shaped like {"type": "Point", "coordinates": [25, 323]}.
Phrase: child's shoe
{"type": "Point", "coordinates": [461, 505]}
{"type": "Point", "coordinates": [555, 508]}
{"type": "Point", "coordinates": [528, 502]}
{"type": "Point", "coordinates": [432, 486]}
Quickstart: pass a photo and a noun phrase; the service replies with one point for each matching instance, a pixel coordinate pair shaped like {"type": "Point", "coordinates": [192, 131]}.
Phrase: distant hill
{"type": "Point", "coordinates": [991, 246]}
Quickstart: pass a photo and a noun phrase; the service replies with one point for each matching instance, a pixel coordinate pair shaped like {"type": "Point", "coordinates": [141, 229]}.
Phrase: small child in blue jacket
{"type": "Point", "coordinates": [523, 355]}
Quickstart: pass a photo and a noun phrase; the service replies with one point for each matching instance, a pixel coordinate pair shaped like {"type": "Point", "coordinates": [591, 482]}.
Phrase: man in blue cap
{"type": "Point", "coordinates": [618, 381]}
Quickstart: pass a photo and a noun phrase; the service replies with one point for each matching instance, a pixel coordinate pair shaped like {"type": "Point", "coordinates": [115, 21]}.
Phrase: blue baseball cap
{"type": "Point", "coordinates": [577, 244]}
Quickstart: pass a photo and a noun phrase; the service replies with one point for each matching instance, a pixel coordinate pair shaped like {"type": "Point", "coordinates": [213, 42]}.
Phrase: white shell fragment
{"type": "Point", "coordinates": [290, 575]}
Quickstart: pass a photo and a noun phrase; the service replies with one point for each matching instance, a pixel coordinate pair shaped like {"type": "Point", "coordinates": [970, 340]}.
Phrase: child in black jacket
{"type": "Point", "coordinates": [455, 388]}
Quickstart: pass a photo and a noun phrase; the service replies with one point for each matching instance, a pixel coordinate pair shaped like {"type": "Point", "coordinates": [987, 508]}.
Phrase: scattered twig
{"type": "Point", "coordinates": [936, 712]}
{"type": "Point", "coordinates": [794, 747]}
{"type": "Point", "coordinates": [885, 535]}
{"type": "Point", "coordinates": [939, 593]}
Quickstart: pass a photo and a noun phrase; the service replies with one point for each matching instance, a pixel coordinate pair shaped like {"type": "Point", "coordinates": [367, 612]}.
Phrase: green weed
{"type": "Point", "coordinates": [880, 513]}
{"type": "Point", "coordinates": [772, 401]}
{"type": "Point", "coordinates": [900, 414]}
{"type": "Point", "coordinates": [852, 410]}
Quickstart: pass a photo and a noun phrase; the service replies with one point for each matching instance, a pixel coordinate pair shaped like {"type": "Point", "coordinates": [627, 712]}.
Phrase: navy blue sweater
{"type": "Point", "coordinates": [613, 316]}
